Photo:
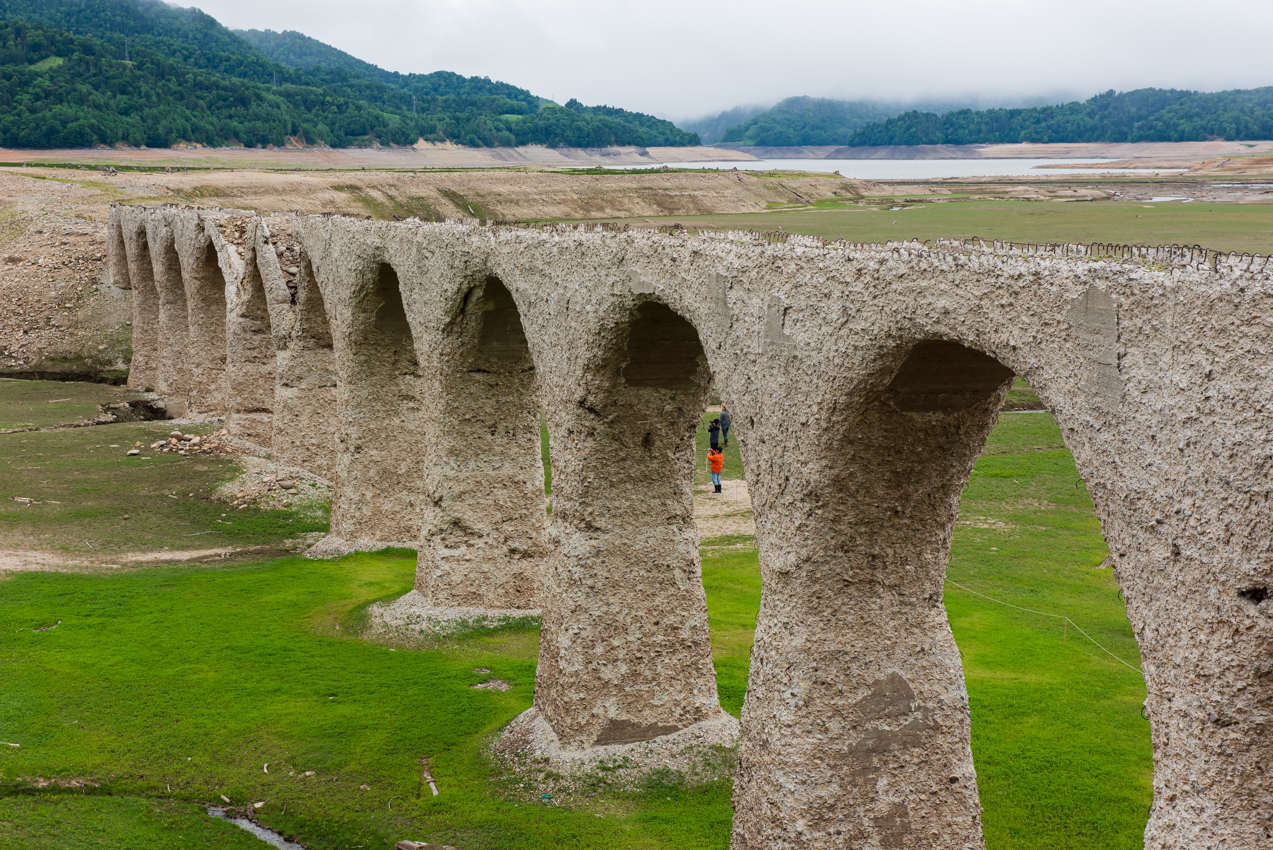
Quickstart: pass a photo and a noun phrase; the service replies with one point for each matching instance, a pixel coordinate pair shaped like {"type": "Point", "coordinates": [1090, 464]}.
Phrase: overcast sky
{"type": "Point", "coordinates": [683, 59]}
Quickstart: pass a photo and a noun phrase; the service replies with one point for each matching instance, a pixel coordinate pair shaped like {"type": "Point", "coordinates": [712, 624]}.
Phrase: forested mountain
{"type": "Point", "coordinates": [76, 73]}
{"type": "Point", "coordinates": [825, 121]}
{"type": "Point", "coordinates": [300, 51]}
{"type": "Point", "coordinates": [809, 121]}
{"type": "Point", "coordinates": [712, 128]}
{"type": "Point", "coordinates": [1144, 115]}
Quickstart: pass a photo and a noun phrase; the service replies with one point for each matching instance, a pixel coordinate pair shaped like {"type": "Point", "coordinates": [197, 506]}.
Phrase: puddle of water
{"type": "Point", "coordinates": [1165, 198]}
{"type": "Point", "coordinates": [269, 836]}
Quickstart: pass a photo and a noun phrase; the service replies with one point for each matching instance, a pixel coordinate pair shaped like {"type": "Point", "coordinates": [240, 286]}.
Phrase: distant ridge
{"type": "Point", "coordinates": [1143, 115]}
{"type": "Point", "coordinates": [79, 73]}
{"type": "Point", "coordinates": [818, 121]}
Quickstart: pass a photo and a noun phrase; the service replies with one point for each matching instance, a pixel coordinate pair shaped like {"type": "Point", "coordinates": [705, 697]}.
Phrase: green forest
{"type": "Point", "coordinates": [1144, 115]}
{"type": "Point", "coordinates": [809, 121]}
{"type": "Point", "coordinates": [79, 73]}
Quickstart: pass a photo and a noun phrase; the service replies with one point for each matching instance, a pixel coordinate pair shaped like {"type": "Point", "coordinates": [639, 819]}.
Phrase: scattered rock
{"type": "Point", "coordinates": [493, 685]}
{"type": "Point", "coordinates": [132, 452]}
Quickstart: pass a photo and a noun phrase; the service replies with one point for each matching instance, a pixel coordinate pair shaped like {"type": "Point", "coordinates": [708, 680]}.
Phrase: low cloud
{"type": "Point", "coordinates": [681, 60]}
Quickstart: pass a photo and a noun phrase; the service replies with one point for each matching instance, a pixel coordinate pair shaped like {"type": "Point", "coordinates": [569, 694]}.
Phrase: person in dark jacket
{"type": "Point", "coordinates": [724, 424]}
{"type": "Point", "coordinates": [713, 434]}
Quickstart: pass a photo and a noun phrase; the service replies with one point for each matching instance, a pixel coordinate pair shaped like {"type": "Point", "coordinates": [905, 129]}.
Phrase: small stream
{"type": "Point", "coordinates": [269, 836]}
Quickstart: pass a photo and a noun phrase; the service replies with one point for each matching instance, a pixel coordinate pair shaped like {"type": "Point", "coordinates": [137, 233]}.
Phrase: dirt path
{"type": "Point", "coordinates": [724, 514]}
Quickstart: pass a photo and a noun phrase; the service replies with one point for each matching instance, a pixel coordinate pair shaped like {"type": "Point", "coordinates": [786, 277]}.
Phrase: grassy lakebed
{"type": "Point", "coordinates": [163, 688]}
{"type": "Point", "coordinates": [1219, 226]}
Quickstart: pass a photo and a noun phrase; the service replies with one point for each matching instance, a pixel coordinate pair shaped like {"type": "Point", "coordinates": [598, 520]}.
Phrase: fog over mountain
{"type": "Point", "coordinates": [686, 60]}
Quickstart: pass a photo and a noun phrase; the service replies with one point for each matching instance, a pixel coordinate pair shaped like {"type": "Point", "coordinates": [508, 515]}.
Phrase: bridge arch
{"type": "Point", "coordinates": [624, 649]}
{"type": "Point", "coordinates": [206, 306]}
{"type": "Point", "coordinates": [305, 410]}
{"type": "Point", "coordinates": [173, 376]}
{"type": "Point", "coordinates": [482, 541]}
{"type": "Point", "coordinates": [143, 372]}
{"type": "Point", "coordinates": [251, 362]}
{"type": "Point", "coordinates": [383, 426]}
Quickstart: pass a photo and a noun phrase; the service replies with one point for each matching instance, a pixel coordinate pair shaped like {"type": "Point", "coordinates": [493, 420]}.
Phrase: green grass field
{"type": "Point", "coordinates": [167, 687]}
{"type": "Point", "coordinates": [1223, 227]}
{"type": "Point", "coordinates": [40, 404]}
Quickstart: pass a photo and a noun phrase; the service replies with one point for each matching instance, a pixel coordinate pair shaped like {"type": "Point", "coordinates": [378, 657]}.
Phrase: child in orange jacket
{"type": "Point", "coordinates": [715, 463]}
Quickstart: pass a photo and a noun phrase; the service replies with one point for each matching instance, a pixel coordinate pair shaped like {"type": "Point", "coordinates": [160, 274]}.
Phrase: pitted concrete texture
{"type": "Point", "coordinates": [230, 323]}
{"type": "Point", "coordinates": [866, 378]}
{"type": "Point", "coordinates": [482, 539]}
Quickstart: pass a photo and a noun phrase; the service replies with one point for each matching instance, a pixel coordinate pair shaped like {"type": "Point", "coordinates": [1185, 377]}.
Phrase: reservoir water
{"type": "Point", "coordinates": [921, 169]}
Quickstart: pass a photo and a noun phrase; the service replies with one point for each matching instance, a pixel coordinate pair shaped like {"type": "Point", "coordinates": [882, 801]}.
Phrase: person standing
{"type": "Point", "coordinates": [725, 422]}
{"type": "Point", "coordinates": [713, 434]}
{"type": "Point", "coordinates": [715, 465]}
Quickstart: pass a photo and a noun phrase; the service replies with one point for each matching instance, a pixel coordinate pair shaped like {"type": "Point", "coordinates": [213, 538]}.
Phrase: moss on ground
{"type": "Point", "coordinates": [40, 404]}
{"type": "Point", "coordinates": [1222, 227]}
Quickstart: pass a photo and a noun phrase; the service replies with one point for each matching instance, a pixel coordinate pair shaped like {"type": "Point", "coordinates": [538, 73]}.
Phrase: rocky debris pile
{"type": "Point", "coordinates": [193, 444]}
{"type": "Point", "coordinates": [53, 285]}
{"type": "Point", "coordinates": [269, 485]}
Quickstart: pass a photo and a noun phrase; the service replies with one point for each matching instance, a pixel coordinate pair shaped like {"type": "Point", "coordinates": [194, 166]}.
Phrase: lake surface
{"type": "Point", "coordinates": [919, 169]}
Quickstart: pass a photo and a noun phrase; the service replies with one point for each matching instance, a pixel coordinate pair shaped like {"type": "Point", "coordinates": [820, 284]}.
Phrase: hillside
{"type": "Point", "coordinates": [76, 73]}
{"type": "Point", "coordinates": [298, 50]}
{"type": "Point", "coordinates": [808, 121]}
{"type": "Point", "coordinates": [1144, 115]}
{"type": "Point", "coordinates": [712, 128]}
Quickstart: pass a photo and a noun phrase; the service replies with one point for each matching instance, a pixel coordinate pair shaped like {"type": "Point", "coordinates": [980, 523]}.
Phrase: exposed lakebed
{"type": "Point", "coordinates": [919, 169]}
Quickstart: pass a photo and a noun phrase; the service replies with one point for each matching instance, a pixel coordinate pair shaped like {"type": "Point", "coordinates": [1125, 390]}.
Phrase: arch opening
{"type": "Point", "coordinates": [206, 297]}
{"type": "Point", "coordinates": [143, 373]}
{"type": "Point", "coordinates": [625, 580]}
{"type": "Point", "coordinates": [390, 322]}
{"type": "Point", "coordinates": [482, 542]}
{"type": "Point", "coordinates": [305, 419]}
{"type": "Point", "coordinates": [383, 429]}
{"type": "Point", "coordinates": [251, 362]}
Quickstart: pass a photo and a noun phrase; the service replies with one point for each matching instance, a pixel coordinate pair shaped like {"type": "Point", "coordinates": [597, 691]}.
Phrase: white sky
{"type": "Point", "coordinates": [686, 59]}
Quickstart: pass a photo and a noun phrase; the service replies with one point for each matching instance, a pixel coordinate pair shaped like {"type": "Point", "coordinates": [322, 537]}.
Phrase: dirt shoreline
{"type": "Point", "coordinates": [1146, 155]}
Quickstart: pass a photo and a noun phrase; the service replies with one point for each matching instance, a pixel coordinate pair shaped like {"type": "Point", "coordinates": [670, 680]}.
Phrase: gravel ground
{"type": "Point", "coordinates": [273, 486]}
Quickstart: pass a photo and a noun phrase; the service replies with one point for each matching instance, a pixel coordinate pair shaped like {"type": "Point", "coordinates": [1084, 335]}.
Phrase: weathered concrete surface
{"type": "Point", "coordinates": [482, 537]}
{"type": "Point", "coordinates": [866, 379]}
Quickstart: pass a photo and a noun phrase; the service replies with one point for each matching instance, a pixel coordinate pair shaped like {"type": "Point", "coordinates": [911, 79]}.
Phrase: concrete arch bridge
{"type": "Point", "coordinates": [410, 362]}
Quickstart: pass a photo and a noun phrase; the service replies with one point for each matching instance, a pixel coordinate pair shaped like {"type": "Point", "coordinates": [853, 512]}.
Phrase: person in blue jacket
{"type": "Point", "coordinates": [724, 424]}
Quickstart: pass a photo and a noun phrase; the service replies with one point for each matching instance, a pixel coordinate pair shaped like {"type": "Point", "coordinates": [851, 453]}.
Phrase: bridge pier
{"type": "Point", "coordinates": [856, 704]}
{"type": "Point", "coordinates": [172, 380]}
{"type": "Point", "coordinates": [144, 369]}
{"type": "Point", "coordinates": [482, 542]}
{"type": "Point", "coordinates": [624, 653]}
{"type": "Point", "coordinates": [205, 289]}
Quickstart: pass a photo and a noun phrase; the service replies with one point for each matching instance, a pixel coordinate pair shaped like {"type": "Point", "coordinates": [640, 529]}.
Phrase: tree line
{"type": "Point", "coordinates": [78, 73]}
{"type": "Point", "coordinates": [1143, 115]}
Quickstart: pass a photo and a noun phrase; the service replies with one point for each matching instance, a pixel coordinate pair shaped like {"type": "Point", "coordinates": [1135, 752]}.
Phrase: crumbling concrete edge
{"type": "Point", "coordinates": [532, 765]}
